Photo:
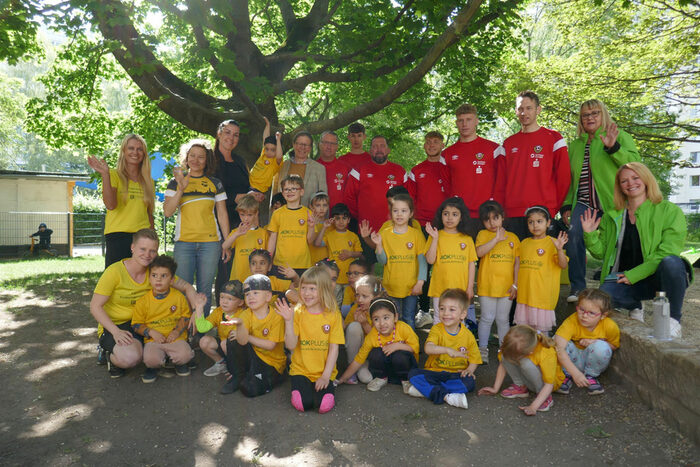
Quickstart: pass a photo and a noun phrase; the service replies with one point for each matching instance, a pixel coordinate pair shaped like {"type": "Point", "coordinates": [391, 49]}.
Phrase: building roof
{"type": "Point", "coordinates": [53, 176]}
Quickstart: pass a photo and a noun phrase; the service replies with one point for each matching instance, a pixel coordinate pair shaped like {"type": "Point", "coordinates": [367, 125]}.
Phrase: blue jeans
{"type": "Point", "coordinates": [576, 249]}
{"type": "Point", "coordinates": [435, 385]}
{"type": "Point", "coordinates": [200, 259]}
{"type": "Point", "coordinates": [406, 307]}
{"type": "Point", "coordinates": [593, 360]}
{"type": "Point", "coordinates": [670, 277]}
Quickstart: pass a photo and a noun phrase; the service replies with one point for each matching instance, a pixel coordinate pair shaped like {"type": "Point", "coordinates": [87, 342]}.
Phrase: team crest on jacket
{"type": "Point", "coordinates": [266, 332]}
{"type": "Point", "coordinates": [260, 241]}
{"type": "Point", "coordinates": [267, 162]}
{"type": "Point", "coordinates": [479, 155]}
{"type": "Point", "coordinates": [538, 148]}
{"type": "Point", "coordinates": [462, 245]}
{"type": "Point", "coordinates": [510, 244]}
{"type": "Point", "coordinates": [301, 221]}
{"type": "Point", "coordinates": [391, 177]}
{"type": "Point", "coordinates": [350, 243]}
{"type": "Point", "coordinates": [540, 251]}
{"type": "Point", "coordinates": [326, 328]}
{"type": "Point", "coordinates": [172, 309]}
{"type": "Point", "coordinates": [409, 245]}
{"type": "Point", "coordinates": [463, 349]}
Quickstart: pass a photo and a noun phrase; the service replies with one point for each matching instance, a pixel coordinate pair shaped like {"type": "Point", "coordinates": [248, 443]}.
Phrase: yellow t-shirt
{"type": "Point", "coordinates": [348, 296]}
{"type": "Point", "coordinates": [217, 317]}
{"type": "Point", "coordinates": [243, 246]}
{"type": "Point", "coordinates": [316, 333]}
{"type": "Point", "coordinates": [337, 242]}
{"type": "Point", "coordinates": [451, 268]}
{"type": "Point", "coordinates": [350, 317]}
{"type": "Point", "coordinates": [404, 334]}
{"type": "Point", "coordinates": [196, 221]}
{"type": "Point", "coordinates": [291, 227]}
{"type": "Point", "coordinates": [163, 314]}
{"type": "Point", "coordinates": [123, 292]}
{"type": "Point", "coordinates": [538, 277]}
{"type": "Point", "coordinates": [318, 252]}
{"type": "Point", "coordinates": [129, 216]}
{"type": "Point", "coordinates": [546, 359]}
{"type": "Point", "coordinates": [571, 330]}
{"type": "Point", "coordinates": [463, 340]}
{"type": "Point", "coordinates": [263, 172]}
{"type": "Point", "coordinates": [496, 267]}
{"type": "Point", "coordinates": [414, 223]}
{"type": "Point", "coordinates": [271, 327]}
{"type": "Point", "coordinates": [401, 270]}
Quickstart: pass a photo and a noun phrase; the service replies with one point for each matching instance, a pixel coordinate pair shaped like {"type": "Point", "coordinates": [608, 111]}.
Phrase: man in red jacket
{"type": "Point", "coordinates": [537, 169]}
{"type": "Point", "coordinates": [336, 170]}
{"type": "Point", "coordinates": [357, 156]}
{"type": "Point", "coordinates": [425, 183]}
{"type": "Point", "coordinates": [471, 166]}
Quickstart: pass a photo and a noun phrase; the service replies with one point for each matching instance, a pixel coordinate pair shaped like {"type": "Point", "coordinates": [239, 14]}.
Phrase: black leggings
{"type": "Point", "coordinates": [310, 398]}
{"type": "Point", "coordinates": [250, 374]}
{"type": "Point", "coordinates": [395, 366]}
{"type": "Point", "coordinates": [117, 247]}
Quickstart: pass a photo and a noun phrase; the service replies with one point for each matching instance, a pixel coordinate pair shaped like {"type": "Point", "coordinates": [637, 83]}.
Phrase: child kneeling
{"type": "Point", "coordinates": [256, 359]}
{"type": "Point", "coordinates": [585, 342]}
{"type": "Point", "coordinates": [161, 317]}
{"type": "Point", "coordinates": [452, 355]}
{"type": "Point", "coordinates": [391, 348]}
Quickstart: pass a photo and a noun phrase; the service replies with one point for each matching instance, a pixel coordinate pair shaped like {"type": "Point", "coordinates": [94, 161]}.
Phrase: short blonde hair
{"type": "Point", "coordinates": [248, 203]}
{"type": "Point", "coordinates": [593, 104]}
{"type": "Point", "coordinates": [653, 191]}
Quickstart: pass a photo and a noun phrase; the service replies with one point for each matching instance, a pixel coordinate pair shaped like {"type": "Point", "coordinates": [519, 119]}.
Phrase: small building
{"type": "Point", "coordinates": [28, 199]}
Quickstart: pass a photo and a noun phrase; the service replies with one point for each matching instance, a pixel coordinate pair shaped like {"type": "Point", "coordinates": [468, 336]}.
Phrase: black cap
{"type": "Point", "coordinates": [234, 288]}
{"type": "Point", "coordinates": [257, 282]}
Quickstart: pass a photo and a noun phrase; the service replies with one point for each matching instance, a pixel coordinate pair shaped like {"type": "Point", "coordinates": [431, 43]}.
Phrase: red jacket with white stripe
{"type": "Point", "coordinates": [426, 187]}
{"type": "Point", "coordinates": [365, 192]}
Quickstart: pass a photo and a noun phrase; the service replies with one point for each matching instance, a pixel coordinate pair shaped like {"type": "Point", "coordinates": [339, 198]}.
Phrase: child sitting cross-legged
{"type": "Point", "coordinates": [453, 355]}
{"type": "Point", "coordinates": [256, 358]}
{"type": "Point", "coordinates": [230, 306]}
{"type": "Point", "coordinates": [391, 348]}
{"type": "Point", "coordinates": [161, 317]}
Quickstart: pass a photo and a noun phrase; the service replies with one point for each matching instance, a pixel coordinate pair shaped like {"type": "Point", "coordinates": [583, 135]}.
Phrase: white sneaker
{"type": "Point", "coordinates": [675, 328]}
{"type": "Point", "coordinates": [377, 383]}
{"type": "Point", "coordinates": [484, 355]}
{"type": "Point", "coordinates": [412, 391]}
{"type": "Point", "coordinates": [638, 314]}
{"type": "Point", "coordinates": [573, 298]}
{"type": "Point", "coordinates": [405, 385]}
{"type": "Point", "coordinates": [216, 369]}
{"type": "Point", "coordinates": [423, 319]}
{"type": "Point", "coordinates": [457, 400]}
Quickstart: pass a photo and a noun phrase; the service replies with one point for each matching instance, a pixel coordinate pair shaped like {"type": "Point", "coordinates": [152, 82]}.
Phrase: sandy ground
{"type": "Point", "coordinates": [60, 408]}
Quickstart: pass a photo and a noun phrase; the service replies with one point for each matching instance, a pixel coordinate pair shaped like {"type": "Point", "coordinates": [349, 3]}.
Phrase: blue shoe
{"type": "Point", "coordinates": [565, 387]}
{"type": "Point", "coordinates": [150, 375]}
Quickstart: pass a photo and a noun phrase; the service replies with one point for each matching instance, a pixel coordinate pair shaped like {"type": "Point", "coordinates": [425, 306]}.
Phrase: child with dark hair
{"type": "Point", "coordinates": [357, 269]}
{"type": "Point", "coordinates": [391, 348]}
{"type": "Point", "coordinates": [343, 245]}
{"type": "Point", "coordinates": [451, 251]}
{"type": "Point", "coordinates": [541, 260]}
{"type": "Point", "coordinates": [260, 262]}
{"type": "Point", "coordinates": [44, 235]}
{"type": "Point", "coordinates": [269, 162]}
{"type": "Point", "coordinates": [162, 317]}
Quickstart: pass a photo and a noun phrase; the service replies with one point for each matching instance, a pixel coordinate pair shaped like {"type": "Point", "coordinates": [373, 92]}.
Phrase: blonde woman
{"type": "Point", "coordinates": [640, 241]}
{"type": "Point", "coordinates": [129, 196]}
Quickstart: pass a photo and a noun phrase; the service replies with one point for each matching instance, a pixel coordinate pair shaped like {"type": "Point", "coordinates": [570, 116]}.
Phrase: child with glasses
{"type": "Point", "coordinates": [585, 342]}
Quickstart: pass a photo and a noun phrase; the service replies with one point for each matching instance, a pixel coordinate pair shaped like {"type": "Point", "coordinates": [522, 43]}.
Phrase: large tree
{"type": "Point", "coordinates": [314, 65]}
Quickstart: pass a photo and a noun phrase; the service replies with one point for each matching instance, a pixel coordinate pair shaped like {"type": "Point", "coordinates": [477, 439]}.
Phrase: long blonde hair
{"type": "Point", "coordinates": [593, 104]}
{"type": "Point", "coordinates": [653, 191]}
{"type": "Point", "coordinates": [521, 340]}
{"type": "Point", "coordinates": [319, 276]}
{"type": "Point", "coordinates": [145, 180]}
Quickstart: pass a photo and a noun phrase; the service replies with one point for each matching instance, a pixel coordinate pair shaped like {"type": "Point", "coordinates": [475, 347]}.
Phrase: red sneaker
{"type": "Point", "coordinates": [513, 391]}
{"type": "Point", "coordinates": [546, 405]}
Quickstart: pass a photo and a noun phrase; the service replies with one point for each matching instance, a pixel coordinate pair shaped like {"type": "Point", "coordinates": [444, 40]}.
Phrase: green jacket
{"type": "Point", "coordinates": [604, 165]}
{"type": "Point", "coordinates": [662, 230]}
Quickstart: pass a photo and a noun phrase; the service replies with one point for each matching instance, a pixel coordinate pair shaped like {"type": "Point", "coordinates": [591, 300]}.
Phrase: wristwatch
{"type": "Point", "coordinates": [147, 333]}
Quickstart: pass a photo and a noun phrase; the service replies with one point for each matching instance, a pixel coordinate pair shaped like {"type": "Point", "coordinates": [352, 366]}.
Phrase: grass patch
{"type": "Point", "coordinates": [19, 274]}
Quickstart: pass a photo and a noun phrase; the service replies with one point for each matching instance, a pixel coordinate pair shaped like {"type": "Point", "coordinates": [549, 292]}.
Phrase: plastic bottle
{"type": "Point", "coordinates": [662, 317]}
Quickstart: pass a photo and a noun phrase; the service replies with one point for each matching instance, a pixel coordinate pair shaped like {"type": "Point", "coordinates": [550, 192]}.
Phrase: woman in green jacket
{"type": "Point", "coordinates": [640, 241]}
{"type": "Point", "coordinates": [598, 151]}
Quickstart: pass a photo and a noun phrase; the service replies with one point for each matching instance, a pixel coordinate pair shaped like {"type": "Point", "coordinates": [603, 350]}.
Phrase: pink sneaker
{"type": "Point", "coordinates": [327, 403]}
{"type": "Point", "coordinates": [546, 405]}
{"type": "Point", "coordinates": [513, 391]}
{"type": "Point", "coordinates": [296, 401]}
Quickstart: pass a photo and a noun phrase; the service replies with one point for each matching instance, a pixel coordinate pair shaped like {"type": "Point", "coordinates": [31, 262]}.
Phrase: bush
{"type": "Point", "coordinates": [693, 227]}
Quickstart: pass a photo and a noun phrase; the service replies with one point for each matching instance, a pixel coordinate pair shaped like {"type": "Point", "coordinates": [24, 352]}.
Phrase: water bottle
{"type": "Point", "coordinates": [662, 317]}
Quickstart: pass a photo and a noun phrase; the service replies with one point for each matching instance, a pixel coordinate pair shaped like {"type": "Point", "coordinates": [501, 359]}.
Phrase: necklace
{"type": "Point", "coordinates": [393, 338]}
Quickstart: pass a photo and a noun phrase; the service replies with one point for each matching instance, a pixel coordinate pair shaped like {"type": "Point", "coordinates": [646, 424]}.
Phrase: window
{"type": "Point", "coordinates": [695, 180]}
{"type": "Point", "coordinates": [695, 157]}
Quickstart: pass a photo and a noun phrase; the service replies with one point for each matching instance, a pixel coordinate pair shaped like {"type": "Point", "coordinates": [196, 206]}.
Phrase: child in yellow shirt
{"type": "Point", "coordinates": [161, 317]}
{"type": "Point", "coordinates": [318, 204]}
{"type": "Point", "coordinates": [246, 238]}
{"type": "Point", "coordinates": [586, 340]}
{"type": "Point", "coordinates": [230, 307]}
{"type": "Point", "coordinates": [269, 162]}
{"type": "Point", "coordinates": [313, 332]}
{"type": "Point", "coordinates": [357, 269]}
{"type": "Point", "coordinates": [256, 358]}
{"type": "Point", "coordinates": [401, 248]}
{"type": "Point", "coordinates": [450, 250]}
{"type": "Point", "coordinates": [343, 245]}
{"type": "Point", "coordinates": [453, 355]}
{"type": "Point", "coordinates": [391, 348]}
{"type": "Point", "coordinates": [261, 263]}
{"type": "Point", "coordinates": [529, 358]}
{"type": "Point", "coordinates": [499, 251]}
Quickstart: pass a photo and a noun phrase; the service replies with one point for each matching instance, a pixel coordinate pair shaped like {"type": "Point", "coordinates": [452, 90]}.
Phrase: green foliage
{"type": "Point", "coordinates": [693, 227]}
{"type": "Point", "coordinates": [11, 116]}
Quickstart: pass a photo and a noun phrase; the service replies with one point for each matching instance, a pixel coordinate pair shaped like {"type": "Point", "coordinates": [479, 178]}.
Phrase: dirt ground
{"type": "Point", "coordinates": [60, 408]}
